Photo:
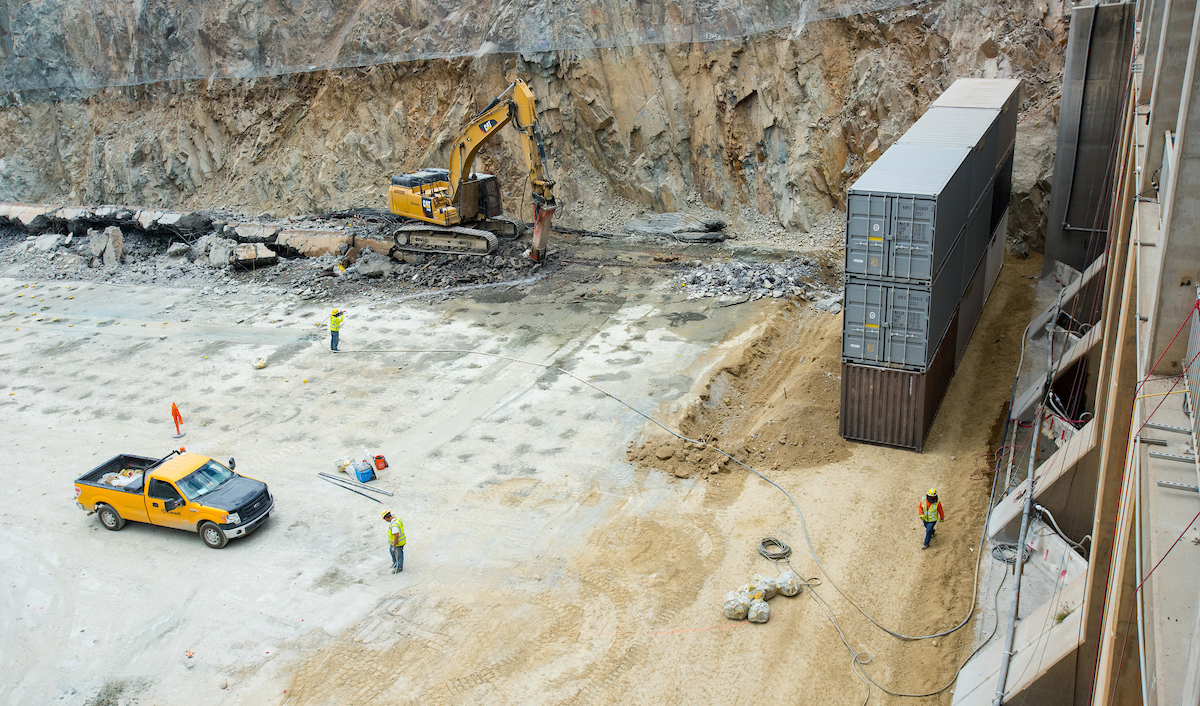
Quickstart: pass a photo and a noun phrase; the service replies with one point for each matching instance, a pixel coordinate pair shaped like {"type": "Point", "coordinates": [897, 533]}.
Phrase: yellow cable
{"type": "Point", "coordinates": [1160, 394]}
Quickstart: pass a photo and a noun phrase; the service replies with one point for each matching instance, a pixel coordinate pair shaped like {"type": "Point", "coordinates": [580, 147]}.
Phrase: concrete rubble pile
{"type": "Point", "coordinates": [797, 278]}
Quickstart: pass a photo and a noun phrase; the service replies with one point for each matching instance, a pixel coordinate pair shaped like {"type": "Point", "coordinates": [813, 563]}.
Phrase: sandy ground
{"type": "Point", "coordinates": [548, 561]}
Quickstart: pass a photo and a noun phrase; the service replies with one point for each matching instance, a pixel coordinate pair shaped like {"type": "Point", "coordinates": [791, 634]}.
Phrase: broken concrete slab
{"type": "Point", "coordinates": [220, 251]}
{"type": "Point", "coordinates": [254, 255]}
{"type": "Point", "coordinates": [74, 213]}
{"type": "Point", "coordinates": [192, 222]}
{"type": "Point", "coordinates": [106, 247]}
{"type": "Point", "coordinates": [178, 251]}
{"type": "Point", "coordinates": [252, 232]}
{"type": "Point", "coordinates": [116, 246]}
{"type": "Point", "coordinates": [32, 217]}
{"type": "Point", "coordinates": [360, 244]}
{"type": "Point", "coordinates": [48, 242]}
{"type": "Point", "coordinates": [118, 213]}
{"type": "Point", "coordinates": [681, 226]}
{"type": "Point", "coordinates": [312, 242]}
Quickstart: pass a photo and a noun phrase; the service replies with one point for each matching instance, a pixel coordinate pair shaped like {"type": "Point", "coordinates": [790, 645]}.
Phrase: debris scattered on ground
{"type": "Point", "coordinates": [800, 277]}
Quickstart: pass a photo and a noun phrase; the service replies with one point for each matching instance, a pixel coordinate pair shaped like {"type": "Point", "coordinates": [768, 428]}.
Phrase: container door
{"type": "Point", "coordinates": [866, 227]}
{"type": "Point", "coordinates": [912, 238]}
{"type": "Point", "coordinates": [861, 327]}
{"type": "Point", "coordinates": [907, 327]}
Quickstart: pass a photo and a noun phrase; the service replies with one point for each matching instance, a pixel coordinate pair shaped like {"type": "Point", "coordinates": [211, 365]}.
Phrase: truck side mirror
{"type": "Point", "coordinates": [172, 505]}
{"type": "Point", "coordinates": [232, 464]}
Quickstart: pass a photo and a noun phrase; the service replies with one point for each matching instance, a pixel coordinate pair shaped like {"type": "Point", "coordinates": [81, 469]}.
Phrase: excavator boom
{"type": "Point", "coordinates": [459, 197]}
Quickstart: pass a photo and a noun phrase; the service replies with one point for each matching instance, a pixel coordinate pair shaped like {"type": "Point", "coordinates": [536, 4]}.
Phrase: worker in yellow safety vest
{"type": "Point", "coordinates": [930, 510]}
{"type": "Point", "coordinates": [335, 325]}
{"type": "Point", "coordinates": [396, 540]}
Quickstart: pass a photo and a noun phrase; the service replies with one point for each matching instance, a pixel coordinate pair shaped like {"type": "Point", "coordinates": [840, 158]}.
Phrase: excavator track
{"type": "Point", "coordinates": [451, 240]}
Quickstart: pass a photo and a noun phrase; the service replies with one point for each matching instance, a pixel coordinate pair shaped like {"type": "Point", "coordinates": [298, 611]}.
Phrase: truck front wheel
{"type": "Point", "coordinates": [212, 535]}
{"type": "Point", "coordinates": [109, 518]}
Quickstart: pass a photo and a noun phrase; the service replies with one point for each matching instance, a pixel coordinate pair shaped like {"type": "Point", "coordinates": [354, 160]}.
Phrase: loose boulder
{"type": "Point", "coordinates": [106, 247]}
{"type": "Point", "coordinates": [48, 242]}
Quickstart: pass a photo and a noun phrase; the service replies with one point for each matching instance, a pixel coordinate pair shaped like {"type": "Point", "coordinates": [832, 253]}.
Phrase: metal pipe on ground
{"type": "Point", "coordinates": [352, 490]}
{"type": "Point", "coordinates": [355, 483]}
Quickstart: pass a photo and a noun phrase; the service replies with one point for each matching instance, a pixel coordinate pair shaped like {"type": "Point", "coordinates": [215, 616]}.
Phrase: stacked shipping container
{"type": "Point", "coordinates": [925, 231]}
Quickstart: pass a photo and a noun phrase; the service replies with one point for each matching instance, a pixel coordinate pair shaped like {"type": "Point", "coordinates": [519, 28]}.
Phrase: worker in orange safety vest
{"type": "Point", "coordinates": [930, 510]}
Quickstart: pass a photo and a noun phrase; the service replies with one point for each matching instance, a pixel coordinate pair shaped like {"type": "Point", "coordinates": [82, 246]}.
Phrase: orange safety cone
{"type": "Point", "coordinates": [175, 415]}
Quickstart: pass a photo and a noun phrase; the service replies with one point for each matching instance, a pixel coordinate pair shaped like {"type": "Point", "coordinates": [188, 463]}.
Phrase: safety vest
{"type": "Point", "coordinates": [335, 323]}
{"type": "Point", "coordinates": [929, 513]}
{"type": "Point", "coordinates": [396, 533]}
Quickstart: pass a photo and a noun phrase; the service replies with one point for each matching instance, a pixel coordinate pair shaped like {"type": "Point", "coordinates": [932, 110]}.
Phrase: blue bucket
{"type": "Point", "coordinates": [365, 474]}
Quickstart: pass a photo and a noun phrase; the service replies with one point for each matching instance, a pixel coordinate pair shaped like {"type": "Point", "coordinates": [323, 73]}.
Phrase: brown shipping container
{"type": "Point", "coordinates": [894, 407]}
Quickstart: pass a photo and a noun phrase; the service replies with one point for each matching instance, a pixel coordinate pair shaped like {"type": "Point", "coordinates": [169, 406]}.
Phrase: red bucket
{"type": "Point", "coordinates": [380, 462]}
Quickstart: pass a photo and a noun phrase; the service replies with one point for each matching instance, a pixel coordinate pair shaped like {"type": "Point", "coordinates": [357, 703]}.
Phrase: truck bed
{"type": "Point", "coordinates": [116, 464]}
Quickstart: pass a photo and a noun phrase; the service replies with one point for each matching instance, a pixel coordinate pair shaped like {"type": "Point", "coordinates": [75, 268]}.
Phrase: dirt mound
{"type": "Point", "coordinates": [772, 402]}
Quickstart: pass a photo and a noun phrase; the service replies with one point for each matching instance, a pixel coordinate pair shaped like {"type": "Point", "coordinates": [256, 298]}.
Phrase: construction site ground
{"type": "Point", "coordinates": [561, 549]}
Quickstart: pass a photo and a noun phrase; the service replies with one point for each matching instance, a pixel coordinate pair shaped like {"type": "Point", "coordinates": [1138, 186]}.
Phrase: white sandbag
{"type": "Point", "coordinates": [736, 605]}
{"type": "Point", "coordinates": [754, 592]}
{"type": "Point", "coordinates": [767, 585]}
{"type": "Point", "coordinates": [759, 612]}
{"type": "Point", "coordinates": [109, 478]}
{"type": "Point", "coordinates": [343, 463]}
{"type": "Point", "coordinates": [789, 583]}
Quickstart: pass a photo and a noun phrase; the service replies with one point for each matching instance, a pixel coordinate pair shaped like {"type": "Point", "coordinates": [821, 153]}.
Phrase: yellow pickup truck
{"type": "Point", "coordinates": [181, 490]}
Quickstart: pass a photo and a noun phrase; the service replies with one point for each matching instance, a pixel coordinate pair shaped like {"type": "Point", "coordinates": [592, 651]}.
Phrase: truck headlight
{"type": "Point", "coordinates": [232, 519]}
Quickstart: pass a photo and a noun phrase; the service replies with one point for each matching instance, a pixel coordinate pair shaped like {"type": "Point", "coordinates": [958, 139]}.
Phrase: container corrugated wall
{"type": "Point", "coordinates": [995, 253]}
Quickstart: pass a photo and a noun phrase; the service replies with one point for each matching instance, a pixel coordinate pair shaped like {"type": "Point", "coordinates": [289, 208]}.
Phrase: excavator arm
{"type": "Point", "coordinates": [516, 105]}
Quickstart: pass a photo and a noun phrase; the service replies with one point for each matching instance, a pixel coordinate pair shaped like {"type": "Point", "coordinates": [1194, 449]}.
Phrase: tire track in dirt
{"type": "Point", "coordinates": [633, 548]}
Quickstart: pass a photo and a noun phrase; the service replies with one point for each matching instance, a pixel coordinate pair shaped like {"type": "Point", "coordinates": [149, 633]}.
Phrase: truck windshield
{"type": "Point", "coordinates": [204, 480]}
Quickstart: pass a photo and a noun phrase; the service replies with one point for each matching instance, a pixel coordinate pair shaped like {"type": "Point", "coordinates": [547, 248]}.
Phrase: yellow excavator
{"type": "Point", "coordinates": [456, 207]}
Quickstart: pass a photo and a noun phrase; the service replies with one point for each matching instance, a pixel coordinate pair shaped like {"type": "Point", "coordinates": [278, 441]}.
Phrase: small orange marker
{"type": "Point", "coordinates": [178, 418]}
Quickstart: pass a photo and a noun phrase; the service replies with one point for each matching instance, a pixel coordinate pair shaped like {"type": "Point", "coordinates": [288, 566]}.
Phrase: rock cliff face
{"type": "Point", "coordinates": [779, 122]}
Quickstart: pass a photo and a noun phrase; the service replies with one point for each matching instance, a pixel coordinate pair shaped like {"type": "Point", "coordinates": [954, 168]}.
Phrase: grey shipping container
{"type": "Point", "coordinates": [895, 407]}
{"type": "Point", "coordinates": [969, 309]}
{"type": "Point", "coordinates": [1003, 94]}
{"type": "Point", "coordinates": [974, 128]}
{"type": "Point", "coordinates": [995, 253]}
{"type": "Point", "coordinates": [976, 237]}
{"type": "Point", "coordinates": [1003, 192]}
{"type": "Point", "coordinates": [905, 213]}
{"type": "Point", "coordinates": [899, 324]}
